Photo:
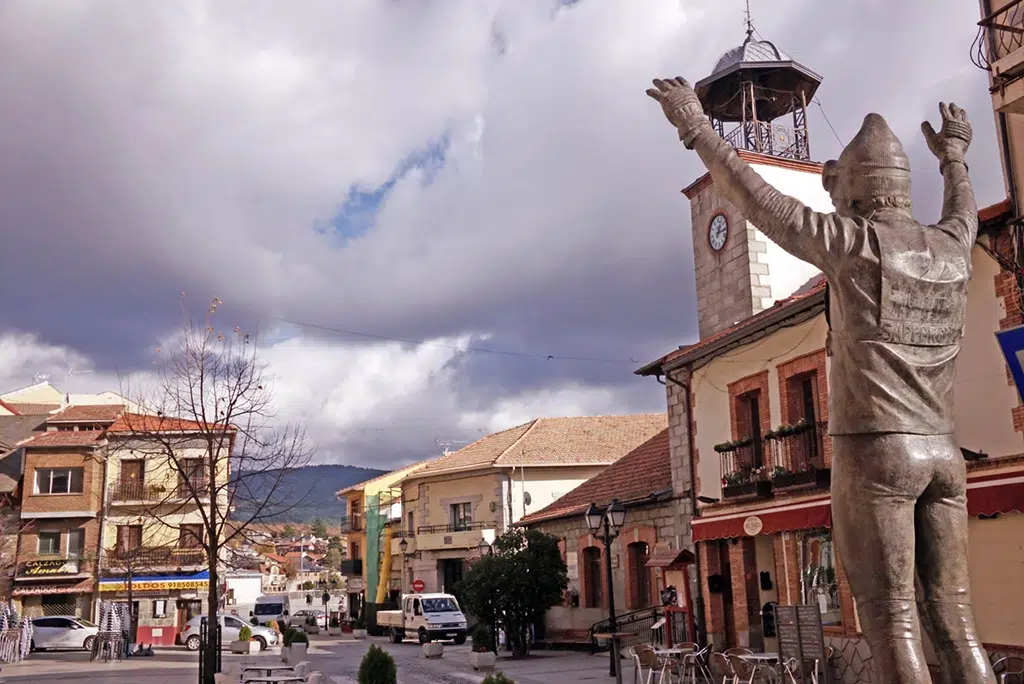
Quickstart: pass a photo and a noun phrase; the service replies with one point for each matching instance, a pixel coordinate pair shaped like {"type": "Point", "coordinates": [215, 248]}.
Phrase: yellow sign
{"type": "Point", "coordinates": [165, 585]}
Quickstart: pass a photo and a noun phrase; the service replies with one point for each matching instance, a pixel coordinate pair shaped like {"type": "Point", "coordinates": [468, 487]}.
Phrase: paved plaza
{"type": "Point", "coordinates": [337, 658]}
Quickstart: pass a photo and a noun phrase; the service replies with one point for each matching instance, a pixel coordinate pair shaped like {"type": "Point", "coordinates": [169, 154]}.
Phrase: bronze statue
{"type": "Point", "coordinates": [897, 310]}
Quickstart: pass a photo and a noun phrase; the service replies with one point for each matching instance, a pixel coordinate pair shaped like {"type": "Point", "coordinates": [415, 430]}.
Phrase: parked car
{"type": "Point", "coordinates": [230, 627]}
{"type": "Point", "coordinates": [300, 616]}
{"type": "Point", "coordinates": [63, 631]}
{"type": "Point", "coordinates": [428, 617]}
{"type": "Point", "coordinates": [271, 607]}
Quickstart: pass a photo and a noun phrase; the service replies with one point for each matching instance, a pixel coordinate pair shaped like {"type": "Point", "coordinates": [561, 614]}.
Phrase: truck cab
{"type": "Point", "coordinates": [428, 617]}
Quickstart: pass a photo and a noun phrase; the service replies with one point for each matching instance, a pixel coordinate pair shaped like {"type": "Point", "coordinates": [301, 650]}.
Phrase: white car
{"type": "Point", "coordinates": [63, 631]}
{"type": "Point", "coordinates": [230, 627]}
{"type": "Point", "coordinates": [299, 618]}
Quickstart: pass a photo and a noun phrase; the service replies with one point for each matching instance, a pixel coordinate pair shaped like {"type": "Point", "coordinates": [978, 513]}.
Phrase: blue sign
{"type": "Point", "coordinates": [1012, 343]}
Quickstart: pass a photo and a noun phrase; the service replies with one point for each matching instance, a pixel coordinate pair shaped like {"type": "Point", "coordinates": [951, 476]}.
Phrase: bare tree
{"type": "Point", "coordinates": [208, 420]}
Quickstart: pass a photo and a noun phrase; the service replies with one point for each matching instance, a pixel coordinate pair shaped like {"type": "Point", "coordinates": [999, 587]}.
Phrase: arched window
{"type": "Point", "coordinates": [640, 575]}
{"type": "Point", "coordinates": [592, 577]}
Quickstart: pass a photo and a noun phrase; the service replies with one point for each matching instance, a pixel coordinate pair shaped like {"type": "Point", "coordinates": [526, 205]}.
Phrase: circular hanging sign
{"type": "Point", "coordinates": [753, 526]}
{"type": "Point", "coordinates": [418, 586]}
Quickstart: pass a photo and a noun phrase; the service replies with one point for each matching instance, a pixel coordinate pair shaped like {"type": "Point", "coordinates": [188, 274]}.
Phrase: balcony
{"type": "Point", "coordinates": [154, 557]}
{"type": "Point", "coordinates": [396, 542]}
{"type": "Point", "coordinates": [199, 485]}
{"type": "Point", "coordinates": [999, 49]}
{"type": "Point", "coordinates": [352, 567]}
{"type": "Point", "coordinates": [790, 457]}
{"type": "Point", "coordinates": [462, 536]}
{"type": "Point", "coordinates": [352, 523]}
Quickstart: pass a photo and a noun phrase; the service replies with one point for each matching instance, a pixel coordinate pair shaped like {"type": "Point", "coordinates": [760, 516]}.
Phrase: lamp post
{"type": "Point", "coordinates": [485, 547]}
{"type": "Point", "coordinates": [605, 525]}
{"type": "Point", "coordinates": [403, 547]}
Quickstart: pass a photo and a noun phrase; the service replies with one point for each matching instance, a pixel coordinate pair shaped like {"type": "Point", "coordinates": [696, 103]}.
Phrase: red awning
{"type": "Point", "coordinates": [806, 515]}
{"type": "Point", "coordinates": [986, 495]}
{"type": "Point", "coordinates": [668, 558]}
{"type": "Point", "coordinates": [85, 586]}
{"type": "Point", "coordinates": [995, 494]}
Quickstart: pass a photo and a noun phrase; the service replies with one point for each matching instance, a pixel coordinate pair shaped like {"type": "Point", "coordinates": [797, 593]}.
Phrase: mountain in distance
{"type": "Point", "coordinates": [320, 481]}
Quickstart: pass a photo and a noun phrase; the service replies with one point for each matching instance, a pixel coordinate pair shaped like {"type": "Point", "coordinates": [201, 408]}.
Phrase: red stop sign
{"type": "Point", "coordinates": [418, 586]}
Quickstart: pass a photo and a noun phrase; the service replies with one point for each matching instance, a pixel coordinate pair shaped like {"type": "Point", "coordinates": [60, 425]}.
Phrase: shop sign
{"type": "Point", "coordinates": [753, 525]}
{"type": "Point", "coordinates": [51, 567]}
{"type": "Point", "coordinates": [163, 585]}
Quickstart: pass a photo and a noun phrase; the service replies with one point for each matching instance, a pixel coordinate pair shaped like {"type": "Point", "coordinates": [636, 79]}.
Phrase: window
{"type": "Point", "coordinates": [640, 575]}
{"type": "Point", "coordinates": [410, 528]}
{"type": "Point", "coordinates": [190, 536]}
{"type": "Point", "coordinates": [818, 576]}
{"type": "Point", "coordinates": [357, 553]}
{"type": "Point", "coordinates": [59, 480]}
{"type": "Point", "coordinates": [592, 577]}
{"type": "Point", "coordinates": [751, 406]}
{"type": "Point", "coordinates": [416, 607]}
{"type": "Point", "coordinates": [160, 608]}
{"type": "Point", "coordinates": [129, 537]}
{"type": "Point", "coordinates": [49, 544]}
{"type": "Point", "coordinates": [462, 516]}
{"type": "Point", "coordinates": [76, 543]}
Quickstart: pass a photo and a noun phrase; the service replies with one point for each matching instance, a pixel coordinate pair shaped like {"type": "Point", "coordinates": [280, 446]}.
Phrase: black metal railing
{"type": "Point", "coordinates": [458, 527]}
{"type": "Point", "coordinates": [999, 34]}
{"type": "Point", "coordinates": [787, 456]}
{"type": "Point", "coordinates": [352, 567]}
{"type": "Point", "coordinates": [799, 449]}
{"type": "Point", "coordinates": [352, 523]}
{"type": "Point", "coordinates": [193, 487]}
{"type": "Point", "coordinates": [638, 626]}
{"type": "Point", "coordinates": [151, 557]}
{"type": "Point", "coordinates": [772, 139]}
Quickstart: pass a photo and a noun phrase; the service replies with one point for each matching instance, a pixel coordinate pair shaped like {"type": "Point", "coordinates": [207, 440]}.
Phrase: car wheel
{"type": "Point", "coordinates": [261, 641]}
{"type": "Point", "coordinates": [87, 644]}
{"type": "Point", "coordinates": [460, 639]}
{"type": "Point", "coordinates": [424, 637]}
{"type": "Point", "coordinates": [192, 643]}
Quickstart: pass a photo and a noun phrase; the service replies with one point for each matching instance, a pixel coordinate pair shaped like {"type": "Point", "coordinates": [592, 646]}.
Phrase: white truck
{"type": "Point", "coordinates": [428, 617]}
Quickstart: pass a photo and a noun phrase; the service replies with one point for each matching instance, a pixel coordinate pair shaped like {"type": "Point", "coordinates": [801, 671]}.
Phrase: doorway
{"type": "Point", "coordinates": [730, 621]}
{"type": "Point", "coordinates": [185, 611]}
{"type": "Point", "coordinates": [451, 574]}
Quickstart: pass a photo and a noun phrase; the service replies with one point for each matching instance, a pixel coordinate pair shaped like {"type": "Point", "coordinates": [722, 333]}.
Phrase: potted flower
{"type": "Point", "coordinates": [482, 656]}
{"type": "Point", "coordinates": [334, 626]}
{"type": "Point", "coordinates": [245, 644]}
{"type": "Point", "coordinates": [359, 628]}
{"type": "Point", "coordinates": [297, 648]}
{"type": "Point", "coordinates": [312, 625]}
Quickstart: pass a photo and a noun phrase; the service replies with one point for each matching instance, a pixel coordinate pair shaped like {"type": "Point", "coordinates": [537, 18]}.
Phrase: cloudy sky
{"type": "Point", "coordinates": [457, 176]}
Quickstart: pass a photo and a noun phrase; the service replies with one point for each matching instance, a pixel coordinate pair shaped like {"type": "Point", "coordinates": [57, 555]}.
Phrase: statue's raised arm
{"type": "Point", "coordinates": [949, 145]}
{"type": "Point", "coordinates": [809, 235]}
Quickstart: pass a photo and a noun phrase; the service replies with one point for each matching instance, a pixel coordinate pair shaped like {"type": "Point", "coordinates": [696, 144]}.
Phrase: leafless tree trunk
{"type": "Point", "coordinates": [209, 422]}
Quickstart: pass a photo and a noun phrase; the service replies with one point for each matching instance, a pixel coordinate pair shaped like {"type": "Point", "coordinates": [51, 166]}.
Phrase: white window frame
{"type": "Point", "coordinates": [68, 471]}
{"type": "Point", "coordinates": [39, 540]}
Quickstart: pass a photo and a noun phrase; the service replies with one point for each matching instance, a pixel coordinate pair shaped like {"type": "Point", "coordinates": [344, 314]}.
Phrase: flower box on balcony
{"type": "Point", "coordinates": [754, 488]}
{"type": "Point", "coordinates": [820, 478]}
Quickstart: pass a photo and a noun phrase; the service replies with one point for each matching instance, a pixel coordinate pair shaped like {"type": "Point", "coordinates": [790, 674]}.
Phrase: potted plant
{"type": "Point", "coordinates": [359, 628]}
{"type": "Point", "coordinates": [482, 656]}
{"type": "Point", "coordinates": [377, 667]}
{"type": "Point", "coordinates": [286, 642]}
{"type": "Point", "coordinates": [334, 626]}
{"type": "Point", "coordinates": [298, 647]}
{"type": "Point", "coordinates": [312, 625]}
{"type": "Point", "coordinates": [497, 678]}
{"type": "Point", "coordinates": [245, 644]}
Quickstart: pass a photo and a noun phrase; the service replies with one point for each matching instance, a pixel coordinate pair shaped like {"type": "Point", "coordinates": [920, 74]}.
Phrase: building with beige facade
{"type": "Point", "coordinates": [472, 495]}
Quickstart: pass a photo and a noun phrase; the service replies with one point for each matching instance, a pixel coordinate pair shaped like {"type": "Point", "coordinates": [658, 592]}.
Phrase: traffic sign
{"type": "Point", "coordinates": [418, 586]}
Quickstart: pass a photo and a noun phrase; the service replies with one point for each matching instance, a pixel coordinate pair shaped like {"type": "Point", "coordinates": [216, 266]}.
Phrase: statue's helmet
{"type": "Point", "coordinates": [872, 169]}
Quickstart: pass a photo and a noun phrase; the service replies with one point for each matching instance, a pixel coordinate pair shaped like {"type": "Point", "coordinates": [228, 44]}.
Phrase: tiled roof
{"type": "Point", "coordinates": [66, 438]}
{"type": "Point", "coordinates": [14, 429]}
{"type": "Point", "coordinates": [32, 409]}
{"type": "Point", "coordinates": [640, 474]}
{"type": "Point", "coordinates": [582, 440]}
{"type": "Point", "coordinates": [5, 405]}
{"type": "Point", "coordinates": [762, 319]}
{"type": "Point", "coordinates": [99, 413]}
{"type": "Point", "coordinates": [140, 422]}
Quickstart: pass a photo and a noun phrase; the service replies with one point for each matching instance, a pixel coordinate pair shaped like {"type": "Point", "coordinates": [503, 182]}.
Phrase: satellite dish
{"type": "Point", "coordinates": [527, 499]}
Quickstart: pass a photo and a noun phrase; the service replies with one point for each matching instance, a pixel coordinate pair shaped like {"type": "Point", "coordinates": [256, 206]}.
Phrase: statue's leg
{"type": "Point", "coordinates": [942, 569]}
{"type": "Point", "coordinates": [875, 485]}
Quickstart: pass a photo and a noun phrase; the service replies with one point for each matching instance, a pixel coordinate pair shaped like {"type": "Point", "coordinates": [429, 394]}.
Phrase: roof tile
{"type": "Point", "coordinates": [98, 413]}
{"type": "Point", "coordinates": [32, 409]}
{"type": "Point", "coordinates": [140, 422]}
{"type": "Point", "coordinates": [66, 438]}
{"type": "Point", "coordinates": [644, 471]}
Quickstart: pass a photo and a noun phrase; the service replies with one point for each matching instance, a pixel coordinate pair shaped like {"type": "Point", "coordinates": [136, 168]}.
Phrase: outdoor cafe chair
{"type": "Point", "coordinates": [644, 658]}
{"type": "Point", "coordinates": [1009, 670]}
{"type": "Point", "coordinates": [798, 671]}
{"type": "Point", "coordinates": [748, 672]}
{"type": "Point", "coordinates": [721, 668]}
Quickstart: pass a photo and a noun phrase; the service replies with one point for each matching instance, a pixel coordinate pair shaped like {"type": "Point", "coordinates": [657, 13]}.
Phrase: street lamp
{"type": "Point", "coordinates": [485, 548]}
{"type": "Point", "coordinates": [605, 525]}
{"type": "Point", "coordinates": [403, 547]}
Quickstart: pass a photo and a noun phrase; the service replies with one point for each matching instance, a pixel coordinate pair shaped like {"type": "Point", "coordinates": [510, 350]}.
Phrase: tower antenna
{"type": "Point", "coordinates": [750, 22]}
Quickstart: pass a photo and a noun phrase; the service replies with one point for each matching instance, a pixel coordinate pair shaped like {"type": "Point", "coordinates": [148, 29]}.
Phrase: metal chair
{"type": "Point", "coordinates": [694, 663]}
{"type": "Point", "coordinates": [1009, 670]}
{"type": "Point", "coordinates": [721, 668]}
{"type": "Point", "coordinates": [644, 658]}
{"type": "Point", "coordinates": [738, 651]}
{"type": "Point", "coordinates": [798, 671]}
{"type": "Point", "coordinates": [748, 672]}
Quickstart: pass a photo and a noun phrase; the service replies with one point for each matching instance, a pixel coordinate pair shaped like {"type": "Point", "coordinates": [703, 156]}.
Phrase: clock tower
{"type": "Point", "coordinates": [756, 98]}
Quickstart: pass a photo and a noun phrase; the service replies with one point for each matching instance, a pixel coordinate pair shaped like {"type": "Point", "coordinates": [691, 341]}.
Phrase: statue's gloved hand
{"type": "Point", "coordinates": [951, 142]}
{"type": "Point", "coordinates": [681, 106]}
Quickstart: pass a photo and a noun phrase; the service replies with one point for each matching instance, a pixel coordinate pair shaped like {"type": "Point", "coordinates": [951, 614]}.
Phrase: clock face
{"type": "Point", "coordinates": [718, 231]}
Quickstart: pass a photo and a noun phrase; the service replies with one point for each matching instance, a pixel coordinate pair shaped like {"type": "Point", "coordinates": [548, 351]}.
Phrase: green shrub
{"type": "Point", "coordinates": [334, 622]}
{"type": "Point", "coordinates": [483, 641]}
{"type": "Point", "coordinates": [299, 637]}
{"type": "Point", "coordinates": [245, 634]}
{"type": "Point", "coordinates": [254, 620]}
{"type": "Point", "coordinates": [378, 667]}
{"type": "Point", "coordinates": [289, 635]}
{"type": "Point", "coordinates": [311, 621]}
{"type": "Point", "coordinates": [359, 623]}
{"type": "Point", "coordinates": [497, 678]}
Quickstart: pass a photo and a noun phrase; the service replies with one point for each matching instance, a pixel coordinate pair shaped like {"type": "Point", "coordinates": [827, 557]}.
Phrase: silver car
{"type": "Point", "coordinates": [230, 627]}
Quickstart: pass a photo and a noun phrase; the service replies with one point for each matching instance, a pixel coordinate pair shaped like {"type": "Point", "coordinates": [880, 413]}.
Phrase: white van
{"type": "Point", "coordinates": [272, 607]}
